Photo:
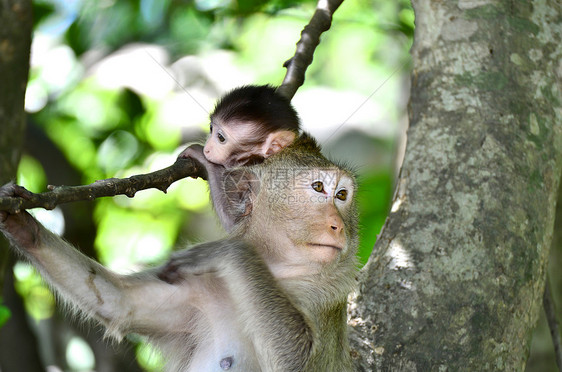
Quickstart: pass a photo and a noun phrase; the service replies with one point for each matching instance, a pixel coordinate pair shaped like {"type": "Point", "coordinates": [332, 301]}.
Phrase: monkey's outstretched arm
{"type": "Point", "coordinates": [265, 310]}
{"type": "Point", "coordinates": [119, 302]}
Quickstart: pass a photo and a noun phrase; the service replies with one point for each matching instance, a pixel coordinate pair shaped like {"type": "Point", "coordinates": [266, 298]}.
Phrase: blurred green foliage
{"type": "Point", "coordinates": [122, 123]}
{"type": "Point", "coordinates": [39, 301]}
{"type": "Point", "coordinates": [31, 174]}
{"type": "Point", "coordinates": [4, 314]}
{"type": "Point", "coordinates": [375, 191]}
{"type": "Point", "coordinates": [149, 357]}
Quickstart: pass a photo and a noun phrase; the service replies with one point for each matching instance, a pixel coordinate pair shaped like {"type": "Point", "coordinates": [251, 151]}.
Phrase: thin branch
{"type": "Point", "coordinates": [160, 179]}
{"type": "Point", "coordinates": [296, 67]}
{"type": "Point", "coordinates": [320, 22]}
{"type": "Point", "coordinates": [550, 312]}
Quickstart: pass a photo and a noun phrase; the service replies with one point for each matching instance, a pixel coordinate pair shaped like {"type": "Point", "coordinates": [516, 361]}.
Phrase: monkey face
{"type": "Point", "coordinates": [312, 211]}
{"type": "Point", "coordinates": [323, 201]}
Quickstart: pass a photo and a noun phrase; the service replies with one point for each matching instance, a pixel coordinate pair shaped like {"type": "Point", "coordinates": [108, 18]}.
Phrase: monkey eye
{"type": "Point", "coordinates": [342, 194]}
{"type": "Point", "coordinates": [317, 186]}
{"type": "Point", "coordinates": [221, 137]}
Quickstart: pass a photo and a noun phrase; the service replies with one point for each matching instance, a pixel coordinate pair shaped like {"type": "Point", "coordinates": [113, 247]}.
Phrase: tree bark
{"type": "Point", "coordinates": [457, 275]}
{"type": "Point", "coordinates": [18, 349]}
{"type": "Point", "coordinates": [15, 43]}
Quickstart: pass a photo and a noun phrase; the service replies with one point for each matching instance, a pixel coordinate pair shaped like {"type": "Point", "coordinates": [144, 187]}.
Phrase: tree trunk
{"type": "Point", "coordinates": [18, 351]}
{"type": "Point", "coordinates": [15, 43]}
{"type": "Point", "coordinates": [457, 275]}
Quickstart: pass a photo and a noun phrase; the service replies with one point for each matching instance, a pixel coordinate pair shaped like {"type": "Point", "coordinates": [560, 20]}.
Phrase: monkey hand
{"type": "Point", "coordinates": [20, 228]}
{"type": "Point", "coordinates": [204, 258]}
{"type": "Point", "coordinates": [195, 152]}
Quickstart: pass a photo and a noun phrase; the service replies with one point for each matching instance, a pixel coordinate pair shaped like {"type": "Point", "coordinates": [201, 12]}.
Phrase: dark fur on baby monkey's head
{"type": "Point", "coordinates": [249, 124]}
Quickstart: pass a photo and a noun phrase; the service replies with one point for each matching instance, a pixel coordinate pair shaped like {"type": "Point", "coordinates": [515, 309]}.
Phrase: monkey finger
{"type": "Point", "coordinates": [12, 190]}
{"type": "Point", "coordinates": [7, 190]}
{"type": "Point", "coordinates": [183, 155]}
{"type": "Point", "coordinates": [22, 192]}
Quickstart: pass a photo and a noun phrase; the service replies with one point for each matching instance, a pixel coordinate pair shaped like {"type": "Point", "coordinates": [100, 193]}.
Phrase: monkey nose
{"type": "Point", "coordinates": [336, 224]}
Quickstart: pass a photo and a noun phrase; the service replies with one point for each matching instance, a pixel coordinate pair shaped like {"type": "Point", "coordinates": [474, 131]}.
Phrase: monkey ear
{"type": "Point", "coordinates": [241, 187]}
{"type": "Point", "coordinates": [277, 141]}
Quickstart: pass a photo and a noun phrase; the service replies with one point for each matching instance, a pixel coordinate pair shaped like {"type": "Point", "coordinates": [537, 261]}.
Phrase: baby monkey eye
{"type": "Point", "coordinates": [221, 137]}
{"type": "Point", "coordinates": [342, 194]}
{"type": "Point", "coordinates": [317, 186]}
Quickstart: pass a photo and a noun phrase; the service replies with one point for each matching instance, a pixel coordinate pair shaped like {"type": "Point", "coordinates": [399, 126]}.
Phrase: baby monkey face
{"type": "Point", "coordinates": [235, 142]}
{"type": "Point", "coordinates": [226, 141]}
{"type": "Point", "coordinates": [250, 123]}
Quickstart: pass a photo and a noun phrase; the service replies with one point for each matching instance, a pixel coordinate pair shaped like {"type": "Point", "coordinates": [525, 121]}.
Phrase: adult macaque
{"type": "Point", "coordinates": [248, 125]}
{"type": "Point", "coordinates": [269, 297]}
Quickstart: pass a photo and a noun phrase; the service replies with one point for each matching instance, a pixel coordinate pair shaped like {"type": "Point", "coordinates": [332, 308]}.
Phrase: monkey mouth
{"type": "Point", "coordinates": [339, 249]}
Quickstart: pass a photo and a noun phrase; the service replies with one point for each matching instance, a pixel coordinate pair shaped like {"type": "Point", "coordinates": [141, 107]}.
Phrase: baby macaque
{"type": "Point", "coordinates": [248, 125]}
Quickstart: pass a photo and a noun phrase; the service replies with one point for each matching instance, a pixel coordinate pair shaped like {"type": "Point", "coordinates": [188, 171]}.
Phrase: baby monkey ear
{"type": "Point", "coordinates": [277, 141]}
